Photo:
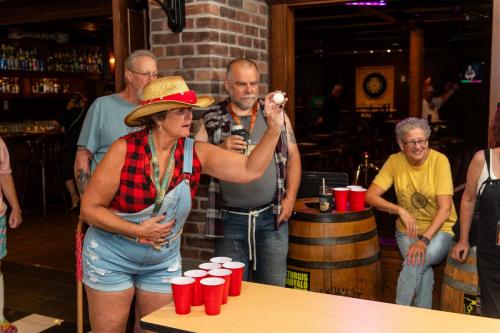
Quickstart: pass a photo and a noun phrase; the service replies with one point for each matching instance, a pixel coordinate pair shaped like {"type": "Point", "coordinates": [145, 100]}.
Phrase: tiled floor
{"type": "Point", "coordinates": [42, 291]}
{"type": "Point", "coordinates": [40, 287]}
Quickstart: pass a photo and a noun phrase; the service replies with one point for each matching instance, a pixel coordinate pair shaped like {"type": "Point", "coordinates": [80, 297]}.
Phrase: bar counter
{"type": "Point", "coordinates": [261, 308]}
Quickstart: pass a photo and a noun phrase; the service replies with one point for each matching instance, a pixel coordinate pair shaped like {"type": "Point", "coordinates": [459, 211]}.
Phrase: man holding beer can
{"type": "Point", "coordinates": [250, 221]}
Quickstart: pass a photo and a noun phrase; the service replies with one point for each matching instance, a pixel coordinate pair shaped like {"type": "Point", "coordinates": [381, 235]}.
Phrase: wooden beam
{"type": "Point", "coordinates": [282, 54]}
{"type": "Point", "coordinates": [416, 72]}
{"type": "Point", "coordinates": [43, 12]}
{"type": "Point", "coordinates": [495, 70]}
{"type": "Point", "coordinates": [120, 40]}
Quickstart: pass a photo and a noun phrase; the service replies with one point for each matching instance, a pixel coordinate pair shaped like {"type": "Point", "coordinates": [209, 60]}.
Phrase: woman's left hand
{"type": "Point", "coordinates": [416, 253]}
{"type": "Point", "coordinates": [15, 218]}
{"type": "Point", "coordinates": [274, 111]}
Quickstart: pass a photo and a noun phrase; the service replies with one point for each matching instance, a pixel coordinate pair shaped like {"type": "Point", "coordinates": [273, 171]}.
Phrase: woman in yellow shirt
{"type": "Point", "coordinates": [422, 181]}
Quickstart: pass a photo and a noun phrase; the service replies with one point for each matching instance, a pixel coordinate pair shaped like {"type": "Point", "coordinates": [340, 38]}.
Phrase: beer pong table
{"type": "Point", "coordinates": [261, 309]}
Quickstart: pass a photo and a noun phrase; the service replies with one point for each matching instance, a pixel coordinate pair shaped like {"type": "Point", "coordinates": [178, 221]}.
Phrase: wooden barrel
{"type": "Point", "coordinates": [459, 292]}
{"type": "Point", "coordinates": [333, 253]}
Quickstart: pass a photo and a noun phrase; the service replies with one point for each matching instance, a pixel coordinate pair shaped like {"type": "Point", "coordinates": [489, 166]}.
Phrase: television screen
{"type": "Point", "coordinates": [471, 72]}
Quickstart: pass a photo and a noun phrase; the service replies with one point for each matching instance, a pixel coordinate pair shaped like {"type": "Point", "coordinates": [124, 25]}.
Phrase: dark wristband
{"type": "Point", "coordinates": [424, 239]}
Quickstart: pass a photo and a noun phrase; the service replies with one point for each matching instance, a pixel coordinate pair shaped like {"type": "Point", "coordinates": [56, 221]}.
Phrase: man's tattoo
{"type": "Point", "coordinates": [291, 136]}
{"type": "Point", "coordinates": [82, 179]}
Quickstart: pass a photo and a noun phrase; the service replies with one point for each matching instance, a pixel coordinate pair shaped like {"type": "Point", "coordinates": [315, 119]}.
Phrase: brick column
{"type": "Point", "coordinates": [216, 32]}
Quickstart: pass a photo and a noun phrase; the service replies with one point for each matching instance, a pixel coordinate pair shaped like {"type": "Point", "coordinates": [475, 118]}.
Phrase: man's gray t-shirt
{"type": "Point", "coordinates": [260, 191]}
{"type": "Point", "coordinates": [103, 125]}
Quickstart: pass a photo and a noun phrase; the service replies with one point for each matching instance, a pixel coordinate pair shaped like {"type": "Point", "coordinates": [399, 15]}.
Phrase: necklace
{"type": "Point", "coordinates": [253, 117]}
{"type": "Point", "coordinates": [160, 186]}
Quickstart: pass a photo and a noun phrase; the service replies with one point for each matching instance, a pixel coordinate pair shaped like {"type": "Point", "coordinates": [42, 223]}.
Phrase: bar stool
{"type": "Point", "coordinates": [45, 152]}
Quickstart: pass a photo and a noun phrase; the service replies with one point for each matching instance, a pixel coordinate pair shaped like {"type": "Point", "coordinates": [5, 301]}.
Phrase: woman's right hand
{"type": "Point", "coordinates": [460, 251]}
{"type": "Point", "coordinates": [154, 231]}
{"type": "Point", "coordinates": [409, 222]}
{"type": "Point", "coordinates": [274, 111]}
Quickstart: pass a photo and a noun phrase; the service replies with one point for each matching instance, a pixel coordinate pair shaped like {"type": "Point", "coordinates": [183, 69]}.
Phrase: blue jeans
{"type": "Point", "coordinates": [415, 283]}
{"type": "Point", "coordinates": [271, 246]}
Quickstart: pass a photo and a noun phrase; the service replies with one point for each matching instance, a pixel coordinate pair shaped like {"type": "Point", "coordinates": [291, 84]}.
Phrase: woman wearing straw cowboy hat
{"type": "Point", "coordinates": [140, 195]}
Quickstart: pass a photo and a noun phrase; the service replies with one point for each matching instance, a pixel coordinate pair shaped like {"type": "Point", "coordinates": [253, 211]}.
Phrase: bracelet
{"type": "Point", "coordinates": [424, 239]}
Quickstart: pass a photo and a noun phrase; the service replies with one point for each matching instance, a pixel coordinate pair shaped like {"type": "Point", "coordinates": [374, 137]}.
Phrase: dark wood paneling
{"type": "Point", "coordinates": [43, 11]}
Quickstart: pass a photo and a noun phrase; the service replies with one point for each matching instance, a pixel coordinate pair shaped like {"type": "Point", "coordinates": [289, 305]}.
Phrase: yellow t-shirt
{"type": "Point", "coordinates": [416, 187]}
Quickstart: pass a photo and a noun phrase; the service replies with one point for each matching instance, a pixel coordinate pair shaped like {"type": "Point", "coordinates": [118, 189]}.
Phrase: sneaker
{"type": "Point", "coordinates": [6, 327]}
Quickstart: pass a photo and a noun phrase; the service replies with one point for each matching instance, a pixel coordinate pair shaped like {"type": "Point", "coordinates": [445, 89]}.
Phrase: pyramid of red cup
{"type": "Point", "coordinates": [210, 285]}
{"type": "Point", "coordinates": [350, 198]}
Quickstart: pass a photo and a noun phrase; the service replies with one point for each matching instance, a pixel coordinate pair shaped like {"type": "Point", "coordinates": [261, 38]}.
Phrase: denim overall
{"type": "Point", "coordinates": [113, 262]}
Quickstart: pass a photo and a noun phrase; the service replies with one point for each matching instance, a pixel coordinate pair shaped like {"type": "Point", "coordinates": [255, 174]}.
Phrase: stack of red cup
{"type": "Point", "coordinates": [197, 275]}
{"type": "Point", "coordinates": [350, 198]}
{"type": "Point", "coordinates": [236, 277]}
{"type": "Point", "coordinates": [213, 290]}
{"type": "Point", "coordinates": [206, 266]}
{"type": "Point", "coordinates": [209, 286]}
{"type": "Point", "coordinates": [223, 274]}
{"type": "Point", "coordinates": [357, 198]}
{"type": "Point", "coordinates": [182, 288]}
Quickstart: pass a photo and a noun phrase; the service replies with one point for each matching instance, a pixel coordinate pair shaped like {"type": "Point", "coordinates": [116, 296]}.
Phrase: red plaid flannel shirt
{"type": "Point", "coordinates": [137, 191]}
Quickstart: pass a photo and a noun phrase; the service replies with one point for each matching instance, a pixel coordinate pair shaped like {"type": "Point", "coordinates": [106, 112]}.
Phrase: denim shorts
{"type": "Point", "coordinates": [113, 263]}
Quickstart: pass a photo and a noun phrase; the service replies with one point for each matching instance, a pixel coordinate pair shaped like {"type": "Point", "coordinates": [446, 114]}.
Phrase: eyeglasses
{"type": "Point", "coordinates": [414, 143]}
{"type": "Point", "coordinates": [153, 76]}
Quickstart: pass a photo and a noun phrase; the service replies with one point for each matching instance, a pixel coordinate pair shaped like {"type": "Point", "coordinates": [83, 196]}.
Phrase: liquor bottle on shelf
{"type": "Point", "coordinates": [9, 85]}
{"type": "Point", "coordinates": [16, 86]}
{"type": "Point", "coordinates": [77, 60]}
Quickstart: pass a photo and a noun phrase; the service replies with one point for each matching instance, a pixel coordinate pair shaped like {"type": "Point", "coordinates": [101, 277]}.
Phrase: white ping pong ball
{"type": "Point", "coordinates": [278, 98]}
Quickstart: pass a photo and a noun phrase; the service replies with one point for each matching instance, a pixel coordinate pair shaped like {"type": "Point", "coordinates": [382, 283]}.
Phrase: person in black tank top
{"type": "Point", "coordinates": [488, 239]}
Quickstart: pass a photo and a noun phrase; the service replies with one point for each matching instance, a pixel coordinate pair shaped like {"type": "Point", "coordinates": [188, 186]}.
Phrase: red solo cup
{"type": "Point", "coordinates": [341, 198]}
{"type": "Point", "coordinates": [197, 275]}
{"type": "Point", "coordinates": [209, 265]}
{"type": "Point", "coordinates": [223, 274]}
{"type": "Point", "coordinates": [213, 288]}
{"type": "Point", "coordinates": [235, 285]}
{"type": "Point", "coordinates": [350, 187]}
{"type": "Point", "coordinates": [220, 260]}
{"type": "Point", "coordinates": [182, 288]}
{"type": "Point", "coordinates": [357, 199]}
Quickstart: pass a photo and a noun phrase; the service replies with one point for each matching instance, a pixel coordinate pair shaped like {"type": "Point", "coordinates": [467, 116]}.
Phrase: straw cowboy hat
{"type": "Point", "coordinates": [163, 94]}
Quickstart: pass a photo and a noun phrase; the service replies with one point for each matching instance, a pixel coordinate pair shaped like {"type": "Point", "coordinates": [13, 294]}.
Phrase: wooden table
{"type": "Point", "coordinates": [262, 309]}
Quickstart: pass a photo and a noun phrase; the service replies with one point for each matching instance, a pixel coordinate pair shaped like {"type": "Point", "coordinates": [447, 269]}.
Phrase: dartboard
{"type": "Point", "coordinates": [374, 85]}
